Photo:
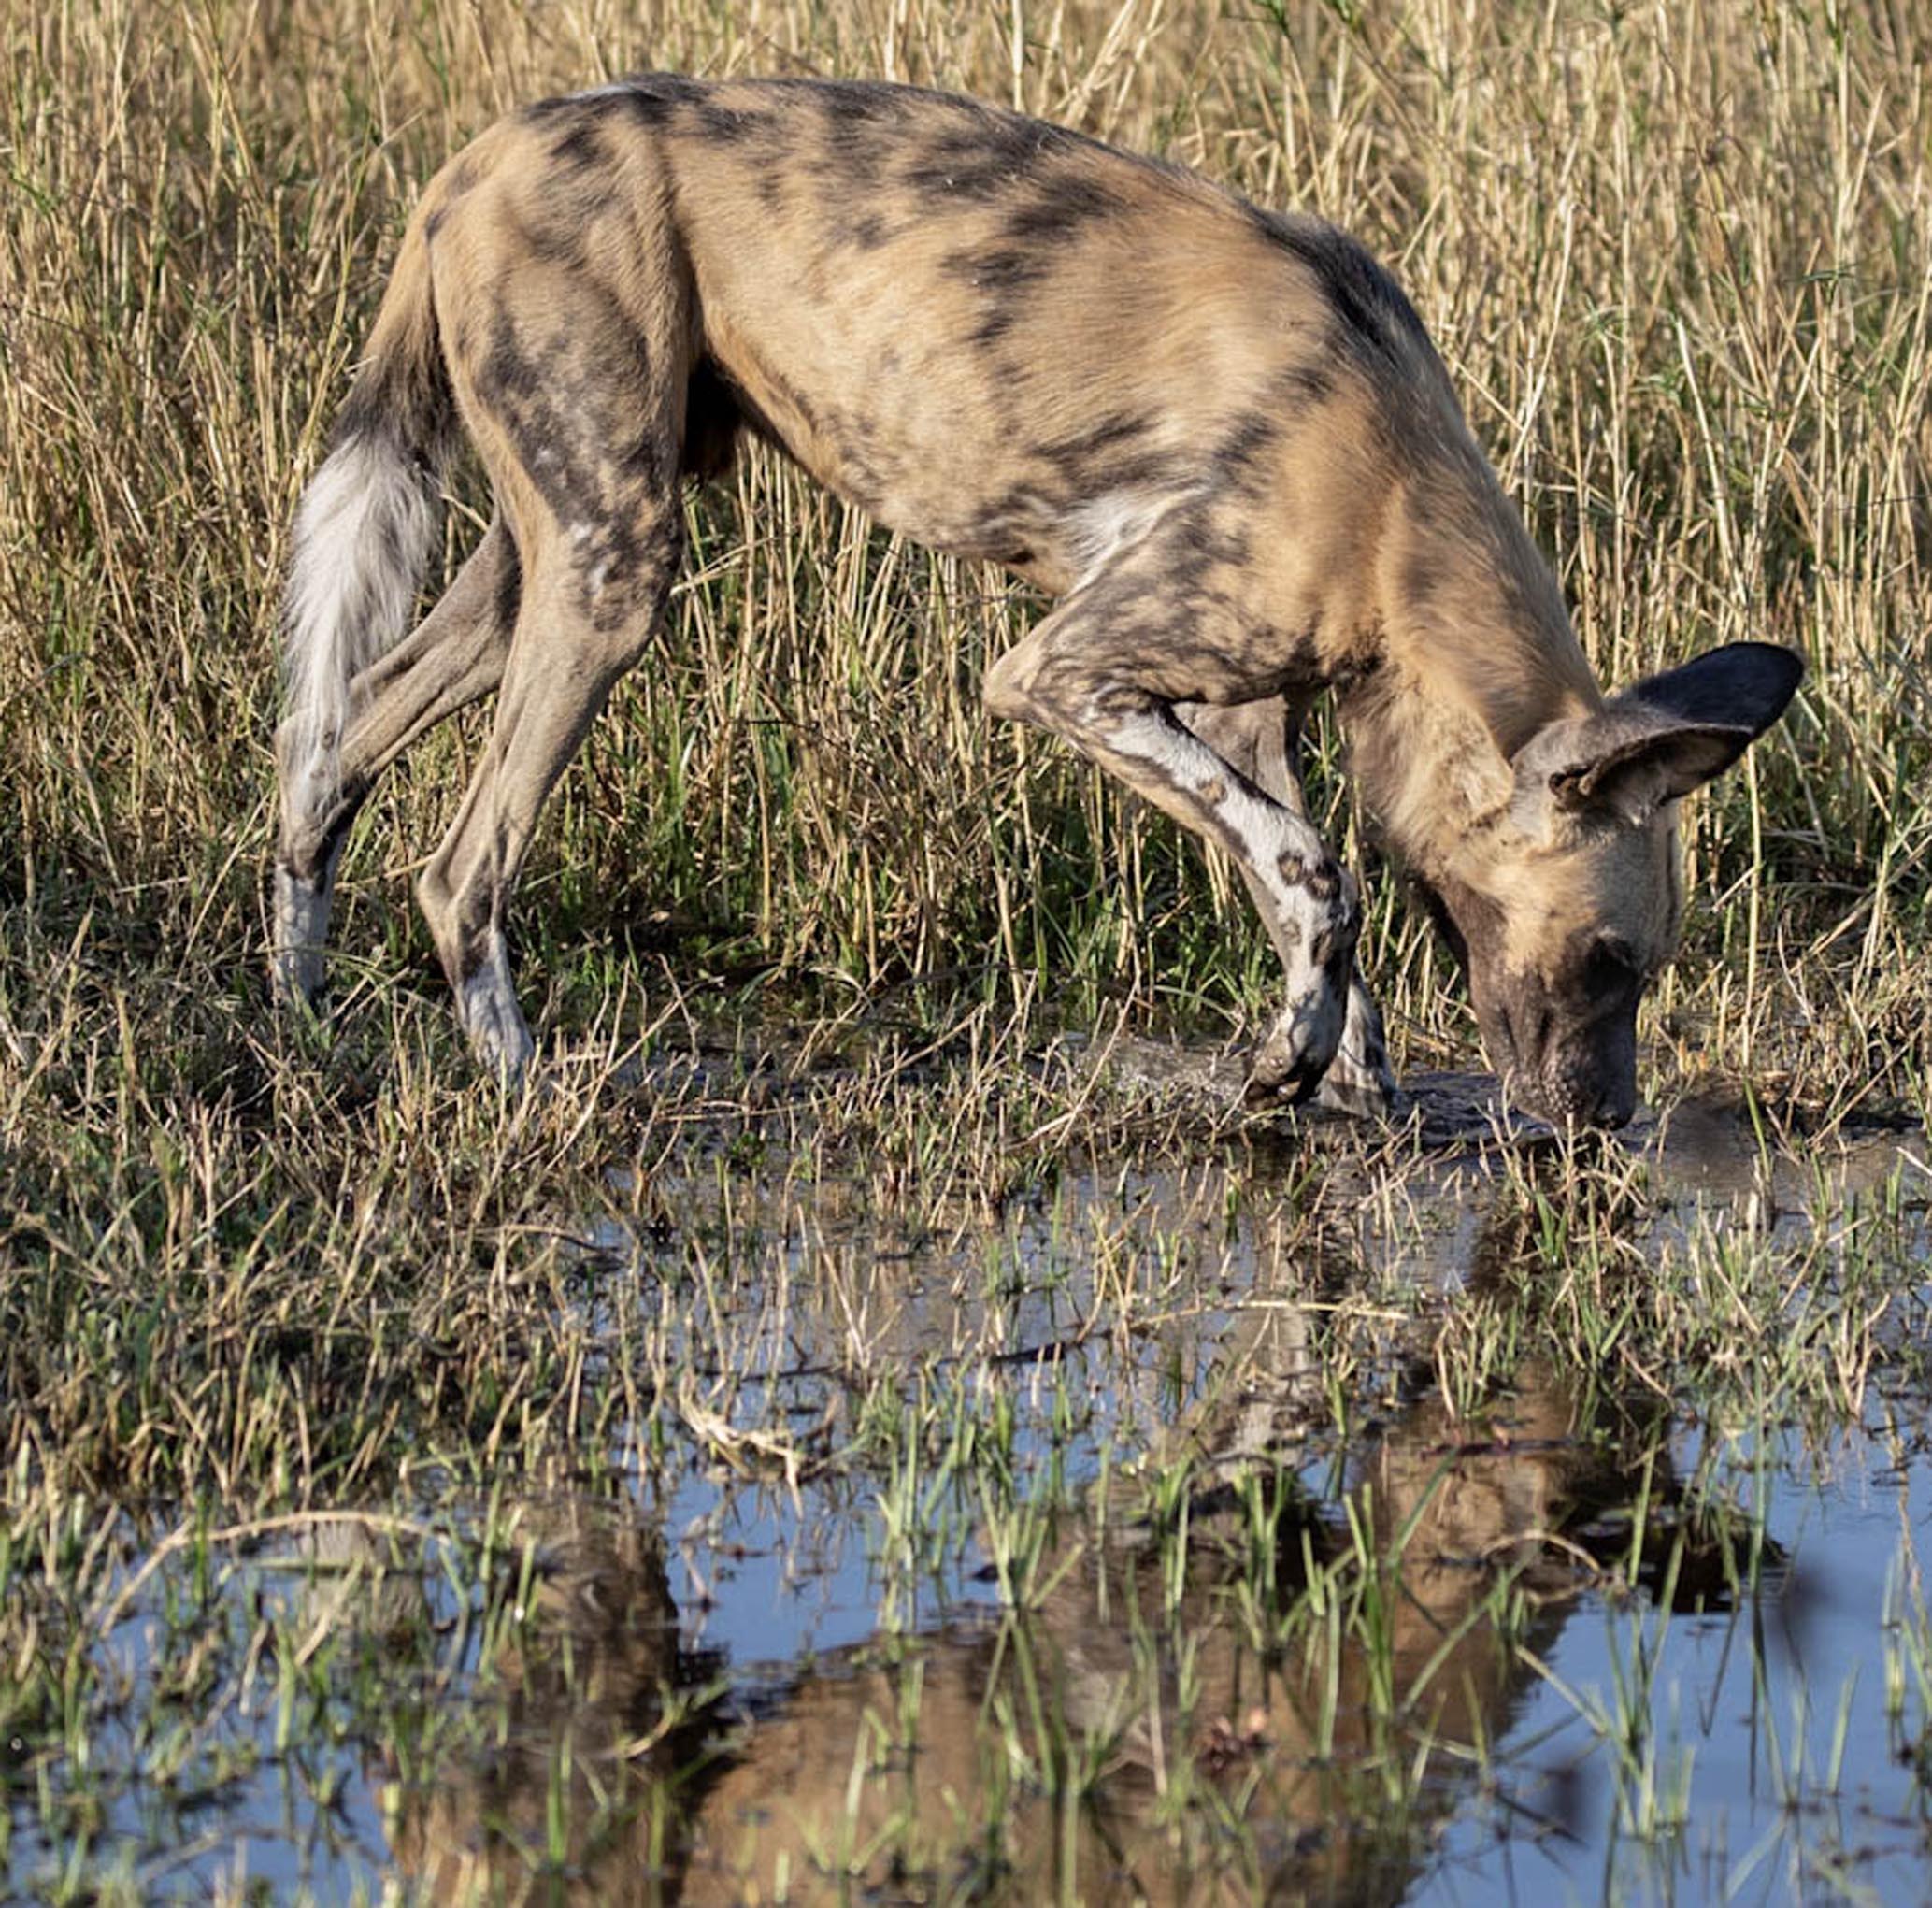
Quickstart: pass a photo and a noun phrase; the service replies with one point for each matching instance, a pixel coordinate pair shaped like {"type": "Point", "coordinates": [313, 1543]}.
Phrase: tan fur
{"type": "Point", "coordinates": [1219, 436]}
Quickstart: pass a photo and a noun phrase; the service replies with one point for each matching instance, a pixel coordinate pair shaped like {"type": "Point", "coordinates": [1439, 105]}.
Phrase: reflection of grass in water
{"type": "Point", "coordinates": [251, 1269]}
{"type": "Point", "coordinates": [1909, 1668]}
{"type": "Point", "coordinates": [1064, 1383]}
{"type": "Point", "coordinates": [1314, 1599]}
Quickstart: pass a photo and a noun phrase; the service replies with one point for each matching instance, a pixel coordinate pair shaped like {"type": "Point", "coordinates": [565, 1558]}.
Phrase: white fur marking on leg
{"type": "Point", "coordinates": [301, 930]}
{"type": "Point", "coordinates": [1263, 831]}
{"type": "Point", "coordinates": [1311, 929]}
{"type": "Point", "coordinates": [1101, 527]}
{"type": "Point", "coordinates": [486, 1004]}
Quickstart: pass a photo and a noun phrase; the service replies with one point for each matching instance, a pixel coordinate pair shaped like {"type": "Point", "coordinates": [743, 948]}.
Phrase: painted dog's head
{"type": "Point", "coordinates": [1564, 908]}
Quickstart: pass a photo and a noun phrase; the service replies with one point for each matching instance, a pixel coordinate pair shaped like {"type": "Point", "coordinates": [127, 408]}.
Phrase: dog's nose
{"type": "Point", "coordinates": [1593, 1104]}
{"type": "Point", "coordinates": [1569, 1102]}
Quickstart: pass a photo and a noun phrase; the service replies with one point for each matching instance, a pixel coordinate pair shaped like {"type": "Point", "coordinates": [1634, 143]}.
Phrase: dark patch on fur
{"type": "Point", "coordinates": [643, 462]}
{"type": "Point", "coordinates": [1421, 575]}
{"type": "Point", "coordinates": [998, 322]}
{"type": "Point", "coordinates": [1114, 454]}
{"type": "Point", "coordinates": [1374, 311]}
{"type": "Point", "coordinates": [982, 159]}
{"type": "Point", "coordinates": [386, 392]}
{"type": "Point", "coordinates": [724, 125]}
{"type": "Point", "coordinates": [542, 112]}
{"type": "Point", "coordinates": [508, 374]}
{"type": "Point", "coordinates": [673, 102]}
{"type": "Point", "coordinates": [1237, 460]}
{"type": "Point", "coordinates": [472, 924]}
{"type": "Point", "coordinates": [849, 158]}
{"type": "Point", "coordinates": [1002, 277]}
{"type": "Point", "coordinates": [554, 407]}
{"type": "Point", "coordinates": [1077, 459]}
{"type": "Point", "coordinates": [1197, 542]}
{"type": "Point", "coordinates": [581, 149]}
{"type": "Point", "coordinates": [1150, 469]}
{"type": "Point", "coordinates": [1246, 442]}
{"type": "Point", "coordinates": [650, 99]}
{"type": "Point", "coordinates": [1323, 879]}
{"type": "Point", "coordinates": [460, 184]}
{"type": "Point", "coordinates": [1303, 386]}
{"type": "Point", "coordinates": [562, 233]}
{"type": "Point", "coordinates": [877, 101]}
{"type": "Point", "coordinates": [999, 271]}
{"type": "Point", "coordinates": [1061, 203]}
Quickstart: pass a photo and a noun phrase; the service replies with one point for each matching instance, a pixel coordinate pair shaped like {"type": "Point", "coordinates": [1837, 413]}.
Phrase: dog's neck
{"type": "Point", "coordinates": [1477, 655]}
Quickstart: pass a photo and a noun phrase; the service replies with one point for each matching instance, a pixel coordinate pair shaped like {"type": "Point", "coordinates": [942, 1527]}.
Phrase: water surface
{"type": "Point", "coordinates": [1176, 1531]}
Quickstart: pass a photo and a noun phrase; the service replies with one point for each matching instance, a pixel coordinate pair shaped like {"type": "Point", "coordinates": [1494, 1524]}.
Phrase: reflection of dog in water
{"type": "Point", "coordinates": [585, 1678]}
{"type": "Point", "coordinates": [930, 1752]}
{"type": "Point", "coordinates": [1218, 434]}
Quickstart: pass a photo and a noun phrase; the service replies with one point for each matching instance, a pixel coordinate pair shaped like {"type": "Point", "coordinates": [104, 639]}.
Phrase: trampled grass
{"type": "Point", "coordinates": [827, 963]}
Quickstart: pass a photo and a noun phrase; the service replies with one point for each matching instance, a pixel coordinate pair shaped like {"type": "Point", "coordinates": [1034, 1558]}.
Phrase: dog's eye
{"type": "Point", "coordinates": [1611, 963]}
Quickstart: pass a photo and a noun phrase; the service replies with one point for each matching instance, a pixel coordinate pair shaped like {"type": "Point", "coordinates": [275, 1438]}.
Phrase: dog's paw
{"type": "Point", "coordinates": [1351, 1075]}
{"type": "Point", "coordinates": [486, 1005]}
{"type": "Point", "coordinates": [301, 928]}
{"type": "Point", "coordinates": [1291, 1062]}
{"type": "Point", "coordinates": [1360, 1093]}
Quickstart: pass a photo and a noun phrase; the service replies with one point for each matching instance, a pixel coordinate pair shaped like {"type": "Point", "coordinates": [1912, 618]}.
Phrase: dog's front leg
{"type": "Point", "coordinates": [1262, 740]}
{"type": "Point", "coordinates": [1101, 682]}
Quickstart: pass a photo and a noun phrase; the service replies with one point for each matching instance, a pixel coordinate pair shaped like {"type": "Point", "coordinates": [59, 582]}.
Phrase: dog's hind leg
{"type": "Point", "coordinates": [565, 657]}
{"type": "Point", "coordinates": [456, 654]}
{"type": "Point", "coordinates": [1262, 740]}
{"type": "Point", "coordinates": [572, 329]}
{"type": "Point", "coordinates": [1106, 671]}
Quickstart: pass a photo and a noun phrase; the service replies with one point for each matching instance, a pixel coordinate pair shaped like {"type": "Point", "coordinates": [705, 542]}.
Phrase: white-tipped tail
{"type": "Point", "coordinates": [363, 536]}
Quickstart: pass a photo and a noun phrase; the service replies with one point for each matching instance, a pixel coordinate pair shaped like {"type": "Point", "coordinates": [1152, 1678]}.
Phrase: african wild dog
{"type": "Point", "coordinates": [1218, 434]}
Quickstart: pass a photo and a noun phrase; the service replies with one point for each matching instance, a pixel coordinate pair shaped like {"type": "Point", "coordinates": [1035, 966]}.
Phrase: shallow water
{"type": "Point", "coordinates": [1143, 1536]}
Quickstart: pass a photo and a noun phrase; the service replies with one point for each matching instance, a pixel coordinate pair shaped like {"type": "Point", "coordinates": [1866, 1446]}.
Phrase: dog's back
{"type": "Point", "coordinates": [1000, 337]}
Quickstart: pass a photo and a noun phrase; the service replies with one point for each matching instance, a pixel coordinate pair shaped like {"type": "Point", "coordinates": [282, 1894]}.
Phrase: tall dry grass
{"type": "Point", "coordinates": [1676, 255]}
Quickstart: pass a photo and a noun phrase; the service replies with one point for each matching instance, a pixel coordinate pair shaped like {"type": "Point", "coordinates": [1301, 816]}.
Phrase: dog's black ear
{"type": "Point", "coordinates": [1744, 686]}
{"type": "Point", "coordinates": [1669, 734]}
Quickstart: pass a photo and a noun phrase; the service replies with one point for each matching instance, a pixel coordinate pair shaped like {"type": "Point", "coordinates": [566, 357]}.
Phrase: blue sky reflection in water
{"type": "Point", "coordinates": [1718, 1684]}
